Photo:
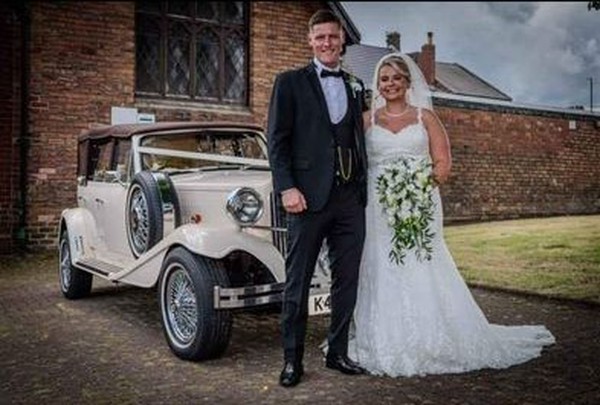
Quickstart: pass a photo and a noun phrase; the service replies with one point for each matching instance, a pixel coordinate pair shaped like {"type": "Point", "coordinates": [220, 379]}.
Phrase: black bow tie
{"type": "Point", "coordinates": [327, 73]}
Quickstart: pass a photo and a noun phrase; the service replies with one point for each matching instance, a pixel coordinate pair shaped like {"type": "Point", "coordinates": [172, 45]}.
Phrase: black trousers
{"type": "Point", "coordinates": [342, 222]}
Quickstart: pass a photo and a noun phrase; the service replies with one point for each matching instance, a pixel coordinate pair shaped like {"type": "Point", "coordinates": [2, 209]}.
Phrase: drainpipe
{"type": "Point", "coordinates": [24, 16]}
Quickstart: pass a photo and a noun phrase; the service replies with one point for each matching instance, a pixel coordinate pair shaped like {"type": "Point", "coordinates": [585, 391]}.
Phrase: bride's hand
{"type": "Point", "coordinates": [439, 147]}
{"type": "Point", "coordinates": [440, 175]}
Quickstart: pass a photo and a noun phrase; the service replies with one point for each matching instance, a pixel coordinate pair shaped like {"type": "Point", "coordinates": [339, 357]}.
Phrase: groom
{"type": "Point", "coordinates": [317, 155]}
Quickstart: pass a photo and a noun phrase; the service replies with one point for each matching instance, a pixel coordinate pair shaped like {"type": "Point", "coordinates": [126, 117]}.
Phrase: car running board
{"type": "Point", "coordinates": [97, 266]}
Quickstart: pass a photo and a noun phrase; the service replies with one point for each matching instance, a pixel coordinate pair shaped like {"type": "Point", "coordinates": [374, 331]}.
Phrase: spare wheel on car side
{"type": "Point", "coordinates": [149, 205]}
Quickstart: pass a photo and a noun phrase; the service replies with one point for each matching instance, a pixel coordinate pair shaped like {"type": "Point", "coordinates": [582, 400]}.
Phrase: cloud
{"type": "Point", "coordinates": [537, 52]}
{"type": "Point", "coordinates": [513, 12]}
{"type": "Point", "coordinates": [592, 52]}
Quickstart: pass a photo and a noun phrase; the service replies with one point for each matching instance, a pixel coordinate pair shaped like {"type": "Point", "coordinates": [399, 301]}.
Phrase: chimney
{"type": "Point", "coordinates": [426, 60]}
{"type": "Point", "coordinates": [392, 40]}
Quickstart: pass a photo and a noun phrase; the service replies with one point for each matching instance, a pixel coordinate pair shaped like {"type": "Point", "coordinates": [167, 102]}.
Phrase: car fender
{"type": "Point", "coordinates": [81, 227]}
{"type": "Point", "coordinates": [215, 243]}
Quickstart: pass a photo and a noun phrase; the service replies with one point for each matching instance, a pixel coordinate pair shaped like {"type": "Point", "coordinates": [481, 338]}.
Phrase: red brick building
{"type": "Point", "coordinates": [64, 65]}
{"type": "Point", "coordinates": [83, 58]}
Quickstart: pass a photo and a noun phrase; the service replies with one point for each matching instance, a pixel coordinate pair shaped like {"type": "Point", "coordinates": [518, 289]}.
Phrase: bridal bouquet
{"type": "Point", "coordinates": [405, 190]}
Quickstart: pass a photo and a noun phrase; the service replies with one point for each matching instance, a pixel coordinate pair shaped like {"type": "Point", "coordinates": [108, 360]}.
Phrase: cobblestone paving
{"type": "Point", "coordinates": [109, 348]}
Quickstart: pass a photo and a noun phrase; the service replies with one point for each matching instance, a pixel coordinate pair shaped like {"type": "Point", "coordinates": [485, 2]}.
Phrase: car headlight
{"type": "Point", "coordinates": [245, 205]}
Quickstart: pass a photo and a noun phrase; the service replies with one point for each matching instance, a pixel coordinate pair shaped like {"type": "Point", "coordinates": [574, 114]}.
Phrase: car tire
{"type": "Point", "coordinates": [194, 329]}
{"type": "Point", "coordinates": [74, 283]}
{"type": "Point", "coordinates": [144, 214]}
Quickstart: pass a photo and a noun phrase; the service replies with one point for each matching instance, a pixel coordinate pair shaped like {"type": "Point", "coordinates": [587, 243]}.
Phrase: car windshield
{"type": "Point", "coordinates": [202, 149]}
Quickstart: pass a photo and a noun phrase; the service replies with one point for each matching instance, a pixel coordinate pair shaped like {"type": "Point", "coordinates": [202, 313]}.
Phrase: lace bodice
{"type": "Point", "coordinates": [384, 145]}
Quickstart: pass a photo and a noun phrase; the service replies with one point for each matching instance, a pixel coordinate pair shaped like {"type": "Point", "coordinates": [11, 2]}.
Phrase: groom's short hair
{"type": "Point", "coordinates": [322, 17]}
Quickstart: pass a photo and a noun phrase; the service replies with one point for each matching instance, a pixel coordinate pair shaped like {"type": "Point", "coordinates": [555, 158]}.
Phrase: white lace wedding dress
{"type": "Point", "coordinates": [420, 318]}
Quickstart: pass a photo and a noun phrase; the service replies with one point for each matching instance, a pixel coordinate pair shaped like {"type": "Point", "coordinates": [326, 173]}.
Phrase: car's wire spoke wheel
{"type": "Point", "coordinates": [74, 283]}
{"type": "Point", "coordinates": [65, 265]}
{"type": "Point", "coordinates": [144, 214]}
{"type": "Point", "coordinates": [139, 222]}
{"type": "Point", "coordinates": [182, 312]}
{"type": "Point", "coordinates": [194, 329]}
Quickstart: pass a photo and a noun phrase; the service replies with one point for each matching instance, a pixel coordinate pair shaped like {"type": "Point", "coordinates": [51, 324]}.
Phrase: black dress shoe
{"type": "Point", "coordinates": [291, 373]}
{"type": "Point", "coordinates": [343, 364]}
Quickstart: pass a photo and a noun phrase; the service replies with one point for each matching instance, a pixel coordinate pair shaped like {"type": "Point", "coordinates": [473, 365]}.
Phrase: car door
{"type": "Point", "coordinates": [105, 192]}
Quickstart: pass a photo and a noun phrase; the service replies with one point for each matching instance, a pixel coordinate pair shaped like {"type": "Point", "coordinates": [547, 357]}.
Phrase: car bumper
{"type": "Point", "coordinates": [245, 297]}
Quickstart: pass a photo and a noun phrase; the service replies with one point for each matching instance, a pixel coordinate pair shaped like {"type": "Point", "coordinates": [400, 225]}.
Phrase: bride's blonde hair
{"type": "Point", "coordinates": [397, 64]}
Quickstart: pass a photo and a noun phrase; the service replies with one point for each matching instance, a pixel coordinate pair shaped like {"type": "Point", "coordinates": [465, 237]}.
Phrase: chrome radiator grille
{"type": "Point", "coordinates": [279, 224]}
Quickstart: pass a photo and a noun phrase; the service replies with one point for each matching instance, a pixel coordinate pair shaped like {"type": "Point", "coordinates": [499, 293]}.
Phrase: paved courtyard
{"type": "Point", "coordinates": [109, 348]}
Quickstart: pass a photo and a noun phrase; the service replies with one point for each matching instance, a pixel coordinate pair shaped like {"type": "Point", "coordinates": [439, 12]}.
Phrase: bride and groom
{"type": "Point", "coordinates": [328, 153]}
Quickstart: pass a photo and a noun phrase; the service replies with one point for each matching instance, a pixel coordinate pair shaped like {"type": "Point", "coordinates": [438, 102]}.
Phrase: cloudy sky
{"type": "Point", "coordinates": [536, 52]}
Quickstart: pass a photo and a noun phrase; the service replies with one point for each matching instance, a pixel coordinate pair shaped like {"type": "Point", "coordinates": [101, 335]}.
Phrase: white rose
{"type": "Point", "coordinates": [422, 178]}
{"type": "Point", "coordinates": [405, 208]}
{"type": "Point", "coordinates": [391, 201]}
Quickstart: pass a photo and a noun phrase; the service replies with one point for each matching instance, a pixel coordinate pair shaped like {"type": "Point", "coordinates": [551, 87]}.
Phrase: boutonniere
{"type": "Point", "coordinates": [355, 85]}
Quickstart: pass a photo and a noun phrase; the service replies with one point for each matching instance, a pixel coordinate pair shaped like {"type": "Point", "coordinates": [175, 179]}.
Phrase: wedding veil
{"type": "Point", "coordinates": [418, 94]}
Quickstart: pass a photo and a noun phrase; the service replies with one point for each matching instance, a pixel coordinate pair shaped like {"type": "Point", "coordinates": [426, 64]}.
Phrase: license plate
{"type": "Point", "coordinates": [319, 304]}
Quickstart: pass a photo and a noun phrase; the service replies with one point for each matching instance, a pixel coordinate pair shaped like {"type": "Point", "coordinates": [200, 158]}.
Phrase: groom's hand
{"type": "Point", "coordinates": [293, 200]}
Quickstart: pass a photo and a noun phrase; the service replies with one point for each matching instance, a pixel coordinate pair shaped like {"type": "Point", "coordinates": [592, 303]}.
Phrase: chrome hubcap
{"type": "Point", "coordinates": [323, 261]}
{"type": "Point", "coordinates": [180, 304]}
{"type": "Point", "coordinates": [65, 265]}
{"type": "Point", "coordinates": [138, 220]}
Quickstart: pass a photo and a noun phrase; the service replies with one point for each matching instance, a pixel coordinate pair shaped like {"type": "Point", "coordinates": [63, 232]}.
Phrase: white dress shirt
{"type": "Point", "coordinates": [334, 91]}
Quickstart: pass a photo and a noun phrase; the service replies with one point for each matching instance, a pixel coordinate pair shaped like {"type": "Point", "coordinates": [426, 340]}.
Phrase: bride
{"type": "Point", "coordinates": [417, 316]}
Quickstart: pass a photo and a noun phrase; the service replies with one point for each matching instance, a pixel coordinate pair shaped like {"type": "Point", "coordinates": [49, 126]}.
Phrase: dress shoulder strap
{"type": "Point", "coordinates": [420, 115]}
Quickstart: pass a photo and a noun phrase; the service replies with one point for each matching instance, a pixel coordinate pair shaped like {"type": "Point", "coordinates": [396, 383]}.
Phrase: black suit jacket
{"type": "Point", "coordinates": [300, 135]}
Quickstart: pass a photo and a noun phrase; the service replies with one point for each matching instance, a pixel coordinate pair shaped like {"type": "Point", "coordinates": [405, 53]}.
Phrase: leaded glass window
{"type": "Point", "coordinates": [192, 51]}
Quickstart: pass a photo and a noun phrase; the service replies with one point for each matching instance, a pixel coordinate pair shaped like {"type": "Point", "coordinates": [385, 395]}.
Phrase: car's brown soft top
{"type": "Point", "coordinates": [128, 130]}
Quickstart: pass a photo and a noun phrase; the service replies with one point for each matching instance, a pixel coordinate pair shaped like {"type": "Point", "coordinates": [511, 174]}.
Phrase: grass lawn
{"type": "Point", "coordinates": [558, 256]}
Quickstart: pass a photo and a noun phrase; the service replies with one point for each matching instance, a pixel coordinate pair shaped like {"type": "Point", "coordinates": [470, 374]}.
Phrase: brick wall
{"type": "Point", "coordinates": [516, 162]}
{"type": "Point", "coordinates": [81, 64]}
{"type": "Point", "coordinates": [279, 41]}
{"type": "Point", "coordinates": [9, 124]}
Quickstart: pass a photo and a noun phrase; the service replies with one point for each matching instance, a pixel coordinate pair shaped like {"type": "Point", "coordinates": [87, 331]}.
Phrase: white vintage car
{"type": "Point", "coordinates": [187, 208]}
